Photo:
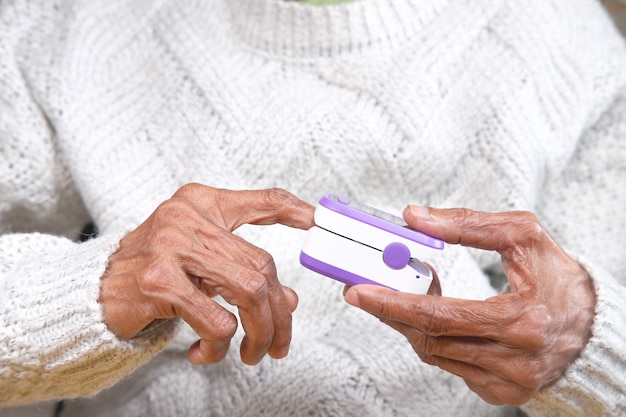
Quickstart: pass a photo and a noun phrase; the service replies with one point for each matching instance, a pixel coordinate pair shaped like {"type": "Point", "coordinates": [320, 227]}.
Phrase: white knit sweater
{"type": "Point", "coordinates": [107, 107]}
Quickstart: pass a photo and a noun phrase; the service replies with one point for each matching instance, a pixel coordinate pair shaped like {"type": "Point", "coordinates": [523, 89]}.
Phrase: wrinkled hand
{"type": "Point", "coordinates": [509, 346]}
{"type": "Point", "coordinates": [185, 253]}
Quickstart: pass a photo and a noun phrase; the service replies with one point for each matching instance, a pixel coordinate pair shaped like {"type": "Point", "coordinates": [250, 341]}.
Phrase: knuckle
{"type": "Point", "coordinates": [436, 326]}
{"type": "Point", "coordinates": [509, 393]}
{"type": "Point", "coordinates": [167, 236]}
{"type": "Point", "coordinates": [254, 287]}
{"type": "Point", "coordinates": [156, 277]}
{"type": "Point", "coordinates": [538, 323]}
{"type": "Point", "coordinates": [278, 196]}
{"type": "Point", "coordinates": [385, 306]}
{"type": "Point", "coordinates": [529, 373]}
{"type": "Point", "coordinates": [224, 325]}
{"type": "Point", "coordinates": [529, 226]}
{"type": "Point", "coordinates": [428, 359]}
{"type": "Point", "coordinates": [526, 382]}
{"type": "Point", "coordinates": [431, 346]}
{"type": "Point", "coordinates": [263, 261]}
{"type": "Point", "coordinates": [532, 376]}
{"type": "Point", "coordinates": [188, 190]}
{"type": "Point", "coordinates": [521, 398]}
{"type": "Point", "coordinates": [523, 320]}
{"type": "Point", "coordinates": [174, 210]}
{"type": "Point", "coordinates": [463, 215]}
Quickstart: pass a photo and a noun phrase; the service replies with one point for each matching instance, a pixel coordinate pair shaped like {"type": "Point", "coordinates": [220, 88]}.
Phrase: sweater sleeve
{"type": "Point", "coordinates": [585, 209]}
{"type": "Point", "coordinates": [53, 341]}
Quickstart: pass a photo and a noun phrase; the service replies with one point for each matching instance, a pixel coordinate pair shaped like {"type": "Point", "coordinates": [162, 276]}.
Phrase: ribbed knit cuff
{"type": "Point", "coordinates": [595, 384]}
{"type": "Point", "coordinates": [53, 335]}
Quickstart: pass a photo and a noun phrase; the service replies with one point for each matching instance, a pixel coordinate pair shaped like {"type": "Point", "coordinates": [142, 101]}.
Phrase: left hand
{"type": "Point", "coordinates": [509, 346]}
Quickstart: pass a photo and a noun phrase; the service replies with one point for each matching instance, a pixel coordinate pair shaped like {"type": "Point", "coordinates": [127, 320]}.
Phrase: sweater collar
{"type": "Point", "coordinates": [300, 31]}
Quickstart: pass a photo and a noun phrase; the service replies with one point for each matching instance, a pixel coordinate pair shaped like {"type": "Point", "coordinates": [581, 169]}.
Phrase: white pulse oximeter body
{"type": "Point", "coordinates": [357, 244]}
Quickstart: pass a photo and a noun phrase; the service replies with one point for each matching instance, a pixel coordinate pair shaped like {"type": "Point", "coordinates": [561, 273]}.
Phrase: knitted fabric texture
{"type": "Point", "coordinates": [107, 107]}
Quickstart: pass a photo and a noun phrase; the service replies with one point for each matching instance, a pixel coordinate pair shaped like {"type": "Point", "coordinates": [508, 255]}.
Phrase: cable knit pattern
{"type": "Point", "coordinates": [107, 107]}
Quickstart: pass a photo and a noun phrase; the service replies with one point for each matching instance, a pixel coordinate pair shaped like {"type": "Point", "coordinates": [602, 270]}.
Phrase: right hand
{"type": "Point", "coordinates": [185, 253]}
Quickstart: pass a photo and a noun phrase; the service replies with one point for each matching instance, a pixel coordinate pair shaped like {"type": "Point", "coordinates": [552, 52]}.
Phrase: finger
{"type": "Point", "coordinates": [266, 318]}
{"type": "Point", "coordinates": [434, 289]}
{"type": "Point", "coordinates": [498, 392]}
{"type": "Point", "coordinates": [477, 379]}
{"type": "Point", "coordinates": [517, 236]}
{"type": "Point", "coordinates": [497, 318]}
{"type": "Point", "coordinates": [235, 208]}
{"type": "Point", "coordinates": [247, 278]}
{"type": "Point", "coordinates": [489, 387]}
{"type": "Point", "coordinates": [435, 285]}
{"type": "Point", "coordinates": [484, 393]}
{"type": "Point", "coordinates": [488, 231]}
{"type": "Point", "coordinates": [247, 289]}
{"type": "Point", "coordinates": [212, 323]}
{"type": "Point", "coordinates": [268, 206]}
{"type": "Point", "coordinates": [280, 309]}
{"type": "Point", "coordinates": [292, 298]}
{"type": "Point", "coordinates": [492, 357]}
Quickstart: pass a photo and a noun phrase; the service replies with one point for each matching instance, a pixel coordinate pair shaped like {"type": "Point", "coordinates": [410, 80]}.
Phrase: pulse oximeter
{"type": "Point", "coordinates": [357, 244]}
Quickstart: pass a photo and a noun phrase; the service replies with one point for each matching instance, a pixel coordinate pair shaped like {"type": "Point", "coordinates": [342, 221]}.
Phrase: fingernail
{"type": "Point", "coordinates": [351, 297]}
{"type": "Point", "coordinates": [420, 212]}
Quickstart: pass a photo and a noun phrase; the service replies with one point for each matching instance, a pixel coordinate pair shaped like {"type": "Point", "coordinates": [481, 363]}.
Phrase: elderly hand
{"type": "Point", "coordinates": [509, 346]}
{"type": "Point", "coordinates": [185, 253]}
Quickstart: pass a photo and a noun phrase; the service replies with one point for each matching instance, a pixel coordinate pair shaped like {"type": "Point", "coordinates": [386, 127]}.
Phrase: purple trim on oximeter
{"type": "Point", "coordinates": [377, 218]}
{"type": "Point", "coordinates": [335, 273]}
